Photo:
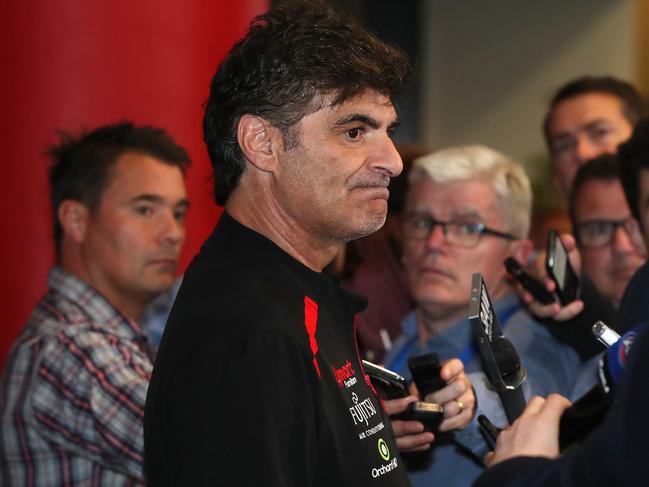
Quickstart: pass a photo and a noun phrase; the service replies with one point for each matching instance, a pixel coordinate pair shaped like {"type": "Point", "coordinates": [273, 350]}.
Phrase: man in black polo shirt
{"type": "Point", "coordinates": [258, 381]}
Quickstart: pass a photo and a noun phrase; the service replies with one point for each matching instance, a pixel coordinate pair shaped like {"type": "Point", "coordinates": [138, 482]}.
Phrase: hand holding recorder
{"type": "Point", "coordinates": [449, 401]}
{"type": "Point", "coordinates": [558, 270]}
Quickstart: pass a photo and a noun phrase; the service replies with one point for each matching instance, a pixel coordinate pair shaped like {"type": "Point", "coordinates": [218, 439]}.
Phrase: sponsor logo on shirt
{"type": "Point", "coordinates": [384, 453]}
{"type": "Point", "coordinates": [345, 375]}
{"type": "Point", "coordinates": [362, 411]}
{"type": "Point", "coordinates": [371, 431]}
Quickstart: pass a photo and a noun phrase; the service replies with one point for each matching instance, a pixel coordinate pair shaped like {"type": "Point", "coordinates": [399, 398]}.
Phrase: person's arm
{"type": "Point", "coordinates": [88, 397]}
{"type": "Point", "coordinates": [571, 323]}
{"type": "Point", "coordinates": [614, 454]}
{"type": "Point", "coordinates": [555, 311]}
{"type": "Point", "coordinates": [535, 433]}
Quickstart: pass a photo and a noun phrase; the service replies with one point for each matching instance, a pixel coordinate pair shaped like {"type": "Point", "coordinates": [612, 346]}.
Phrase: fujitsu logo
{"type": "Point", "coordinates": [343, 373]}
{"type": "Point", "coordinates": [361, 411]}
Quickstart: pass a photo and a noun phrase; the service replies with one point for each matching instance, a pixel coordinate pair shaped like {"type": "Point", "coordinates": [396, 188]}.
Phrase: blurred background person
{"type": "Point", "coordinates": [588, 116]}
{"type": "Point", "coordinates": [468, 208]}
{"type": "Point", "coordinates": [74, 384]}
{"type": "Point", "coordinates": [607, 235]}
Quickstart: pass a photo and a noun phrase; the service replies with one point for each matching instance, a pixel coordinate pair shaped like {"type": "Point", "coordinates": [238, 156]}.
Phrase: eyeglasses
{"type": "Point", "coordinates": [600, 233]}
{"type": "Point", "coordinates": [419, 226]}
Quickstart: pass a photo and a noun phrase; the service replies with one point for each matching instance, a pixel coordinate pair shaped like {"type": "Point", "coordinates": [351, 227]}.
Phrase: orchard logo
{"type": "Point", "coordinates": [384, 451]}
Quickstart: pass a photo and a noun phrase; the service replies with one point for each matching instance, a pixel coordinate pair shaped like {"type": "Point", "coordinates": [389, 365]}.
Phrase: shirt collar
{"type": "Point", "coordinates": [259, 252]}
{"type": "Point", "coordinates": [92, 305]}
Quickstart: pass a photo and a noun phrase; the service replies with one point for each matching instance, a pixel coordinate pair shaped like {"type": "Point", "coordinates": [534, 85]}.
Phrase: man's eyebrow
{"type": "Point", "coordinates": [466, 213]}
{"type": "Point", "coordinates": [366, 119]}
{"type": "Point", "coordinates": [154, 198]}
{"type": "Point", "coordinates": [147, 198]}
{"type": "Point", "coordinates": [588, 125]}
{"type": "Point", "coordinates": [597, 122]}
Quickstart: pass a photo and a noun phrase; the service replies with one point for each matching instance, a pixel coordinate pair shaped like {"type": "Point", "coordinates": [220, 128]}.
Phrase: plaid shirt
{"type": "Point", "coordinates": [72, 393]}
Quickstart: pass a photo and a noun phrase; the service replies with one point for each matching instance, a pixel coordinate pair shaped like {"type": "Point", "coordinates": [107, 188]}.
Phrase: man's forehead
{"type": "Point", "coordinates": [135, 173]}
{"type": "Point", "coordinates": [601, 198]}
{"type": "Point", "coordinates": [466, 196]}
{"type": "Point", "coordinates": [365, 100]}
{"type": "Point", "coordinates": [586, 108]}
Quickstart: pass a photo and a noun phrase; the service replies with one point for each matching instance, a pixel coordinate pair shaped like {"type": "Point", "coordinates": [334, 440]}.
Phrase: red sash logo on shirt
{"type": "Point", "coordinates": [311, 324]}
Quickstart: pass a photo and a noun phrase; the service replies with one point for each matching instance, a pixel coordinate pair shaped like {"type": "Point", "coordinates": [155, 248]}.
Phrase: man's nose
{"type": "Point", "coordinates": [436, 236]}
{"type": "Point", "coordinates": [586, 149]}
{"type": "Point", "coordinates": [622, 241]}
{"type": "Point", "coordinates": [387, 159]}
{"type": "Point", "coordinates": [172, 229]}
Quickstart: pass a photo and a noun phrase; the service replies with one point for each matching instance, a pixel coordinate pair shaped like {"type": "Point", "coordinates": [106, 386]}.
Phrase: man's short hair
{"type": "Point", "coordinates": [289, 59]}
{"type": "Point", "coordinates": [82, 164]}
{"type": "Point", "coordinates": [602, 168]}
{"type": "Point", "coordinates": [634, 107]}
{"type": "Point", "coordinates": [634, 157]}
{"type": "Point", "coordinates": [469, 162]}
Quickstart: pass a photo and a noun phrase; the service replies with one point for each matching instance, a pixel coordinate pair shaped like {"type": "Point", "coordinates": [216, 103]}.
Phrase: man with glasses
{"type": "Point", "coordinates": [468, 208]}
{"type": "Point", "coordinates": [608, 237]}
{"type": "Point", "coordinates": [527, 454]}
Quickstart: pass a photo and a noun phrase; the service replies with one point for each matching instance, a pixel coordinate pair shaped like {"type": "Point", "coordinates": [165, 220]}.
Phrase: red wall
{"type": "Point", "coordinates": [71, 64]}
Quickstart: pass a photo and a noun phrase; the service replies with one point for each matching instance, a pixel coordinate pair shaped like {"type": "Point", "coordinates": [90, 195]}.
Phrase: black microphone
{"type": "Point", "coordinates": [589, 411]}
{"type": "Point", "coordinates": [500, 361]}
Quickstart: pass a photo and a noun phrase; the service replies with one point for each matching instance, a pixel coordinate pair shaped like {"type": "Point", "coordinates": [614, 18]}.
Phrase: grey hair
{"type": "Point", "coordinates": [463, 163]}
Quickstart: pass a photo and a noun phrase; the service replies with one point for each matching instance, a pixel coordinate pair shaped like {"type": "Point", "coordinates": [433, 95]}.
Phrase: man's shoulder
{"type": "Point", "coordinates": [532, 337]}
{"type": "Point", "coordinates": [634, 307]}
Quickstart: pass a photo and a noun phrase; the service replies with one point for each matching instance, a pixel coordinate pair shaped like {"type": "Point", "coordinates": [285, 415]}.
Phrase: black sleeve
{"type": "Point", "coordinates": [634, 308]}
{"type": "Point", "coordinates": [253, 416]}
{"type": "Point", "coordinates": [576, 332]}
{"type": "Point", "coordinates": [615, 454]}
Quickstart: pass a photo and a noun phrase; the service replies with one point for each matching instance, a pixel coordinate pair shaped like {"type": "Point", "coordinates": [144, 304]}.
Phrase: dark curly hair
{"type": "Point", "coordinates": [288, 57]}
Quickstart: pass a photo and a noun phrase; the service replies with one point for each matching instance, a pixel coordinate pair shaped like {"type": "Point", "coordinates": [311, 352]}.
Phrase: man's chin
{"type": "Point", "coordinates": [366, 228]}
{"type": "Point", "coordinates": [161, 282]}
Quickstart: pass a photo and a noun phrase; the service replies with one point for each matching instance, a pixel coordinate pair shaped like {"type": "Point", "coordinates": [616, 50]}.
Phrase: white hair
{"type": "Point", "coordinates": [463, 163]}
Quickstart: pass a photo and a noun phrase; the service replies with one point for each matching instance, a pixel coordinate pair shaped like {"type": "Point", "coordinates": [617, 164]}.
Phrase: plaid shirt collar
{"type": "Point", "coordinates": [93, 307]}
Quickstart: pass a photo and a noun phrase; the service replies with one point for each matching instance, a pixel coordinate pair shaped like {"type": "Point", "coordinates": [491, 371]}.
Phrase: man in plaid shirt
{"type": "Point", "coordinates": [73, 388]}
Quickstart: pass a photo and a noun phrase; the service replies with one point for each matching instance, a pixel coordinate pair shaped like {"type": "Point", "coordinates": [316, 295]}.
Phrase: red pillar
{"type": "Point", "coordinates": [72, 64]}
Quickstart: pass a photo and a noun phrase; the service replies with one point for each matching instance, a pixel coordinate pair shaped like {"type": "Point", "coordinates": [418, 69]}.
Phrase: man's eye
{"type": "Point", "coordinates": [600, 228]}
{"type": "Point", "coordinates": [180, 215]}
{"type": "Point", "coordinates": [354, 133]}
{"type": "Point", "coordinates": [563, 146]}
{"type": "Point", "coordinates": [599, 133]}
{"type": "Point", "coordinates": [144, 210]}
{"type": "Point", "coordinates": [470, 228]}
{"type": "Point", "coordinates": [423, 222]}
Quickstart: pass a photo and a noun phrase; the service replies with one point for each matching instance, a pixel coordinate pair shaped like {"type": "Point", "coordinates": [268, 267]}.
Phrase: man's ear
{"type": "Point", "coordinates": [73, 217]}
{"type": "Point", "coordinates": [521, 250]}
{"type": "Point", "coordinates": [259, 141]}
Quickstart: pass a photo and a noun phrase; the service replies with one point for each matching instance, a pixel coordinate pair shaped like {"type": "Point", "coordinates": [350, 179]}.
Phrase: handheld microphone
{"type": "Point", "coordinates": [500, 361]}
{"type": "Point", "coordinates": [588, 412]}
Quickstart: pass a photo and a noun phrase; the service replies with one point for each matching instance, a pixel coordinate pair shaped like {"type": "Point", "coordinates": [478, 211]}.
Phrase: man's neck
{"type": "Point", "coordinates": [268, 219]}
{"type": "Point", "coordinates": [131, 307]}
{"type": "Point", "coordinates": [433, 321]}
{"type": "Point", "coordinates": [430, 323]}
